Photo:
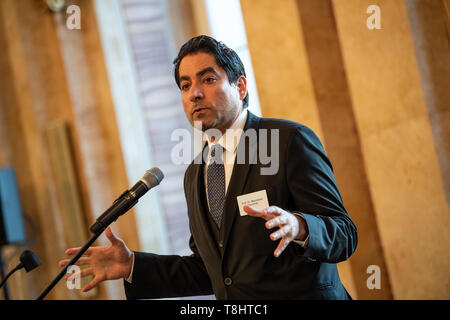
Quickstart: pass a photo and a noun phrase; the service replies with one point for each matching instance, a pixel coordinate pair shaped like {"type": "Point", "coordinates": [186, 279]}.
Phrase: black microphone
{"type": "Point", "coordinates": [27, 260]}
{"type": "Point", "coordinates": [128, 199]}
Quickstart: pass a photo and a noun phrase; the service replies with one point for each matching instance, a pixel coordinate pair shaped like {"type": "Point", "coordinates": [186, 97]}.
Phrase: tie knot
{"type": "Point", "coordinates": [216, 153]}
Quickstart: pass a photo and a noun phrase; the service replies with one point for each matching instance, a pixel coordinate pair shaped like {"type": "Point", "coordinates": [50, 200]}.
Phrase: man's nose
{"type": "Point", "coordinates": [196, 93]}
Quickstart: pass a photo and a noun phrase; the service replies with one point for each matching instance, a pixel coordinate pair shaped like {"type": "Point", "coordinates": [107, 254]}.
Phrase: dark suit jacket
{"type": "Point", "coordinates": [240, 263]}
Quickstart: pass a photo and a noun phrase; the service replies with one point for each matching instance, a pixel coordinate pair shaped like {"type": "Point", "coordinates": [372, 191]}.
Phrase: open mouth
{"type": "Point", "coordinates": [198, 109]}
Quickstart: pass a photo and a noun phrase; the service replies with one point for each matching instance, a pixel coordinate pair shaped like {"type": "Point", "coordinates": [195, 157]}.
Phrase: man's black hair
{"type": "Point", "coordinates": [225, 57]}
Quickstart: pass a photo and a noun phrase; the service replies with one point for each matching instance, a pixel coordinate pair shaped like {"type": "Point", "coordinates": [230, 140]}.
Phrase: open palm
{"type": "Point", "coordinates": [105, 263]}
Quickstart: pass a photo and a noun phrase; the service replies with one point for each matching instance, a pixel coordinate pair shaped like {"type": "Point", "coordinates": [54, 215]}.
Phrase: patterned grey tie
{"type": "Point", "coordinates": [216, 184]}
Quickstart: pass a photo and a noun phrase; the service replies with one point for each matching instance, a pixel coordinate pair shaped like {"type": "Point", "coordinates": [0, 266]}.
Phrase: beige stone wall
{"type": "Point", "coordinates": [430, 27]}
{"type": "Point", "coordinates": [400, 154]}
{"type": "Point", "coordinates": [276, 44]}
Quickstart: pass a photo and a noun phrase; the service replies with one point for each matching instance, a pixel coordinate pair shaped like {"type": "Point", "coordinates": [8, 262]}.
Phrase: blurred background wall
{"type": "Point", "coordinates": [370, 77]}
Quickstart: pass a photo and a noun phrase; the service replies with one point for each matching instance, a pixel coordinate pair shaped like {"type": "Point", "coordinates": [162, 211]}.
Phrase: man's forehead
{"type": "Point", "coordinates": [191, 64]}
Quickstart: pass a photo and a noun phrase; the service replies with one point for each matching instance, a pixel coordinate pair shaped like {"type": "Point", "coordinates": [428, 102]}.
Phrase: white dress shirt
{"type": "Point", "coordinates": [229, 142]}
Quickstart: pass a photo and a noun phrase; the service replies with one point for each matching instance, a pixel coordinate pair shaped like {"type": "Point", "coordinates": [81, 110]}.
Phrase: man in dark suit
{"type": "Point", "coordinates": [287, 250]}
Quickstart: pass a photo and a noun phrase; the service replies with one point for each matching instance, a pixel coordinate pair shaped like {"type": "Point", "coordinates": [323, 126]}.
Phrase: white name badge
{"type": "Point", "coordinates": [257, 200]}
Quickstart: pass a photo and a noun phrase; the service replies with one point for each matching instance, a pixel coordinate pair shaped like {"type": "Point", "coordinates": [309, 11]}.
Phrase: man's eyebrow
{"type": "Point", "coordinates": [182, 78]}
{"type": "Point", "coordinates": [200, 73]}
{"type": "Point", "coordinates": [206, 70]}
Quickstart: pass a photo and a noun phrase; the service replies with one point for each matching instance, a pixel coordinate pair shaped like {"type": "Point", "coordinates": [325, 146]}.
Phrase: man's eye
{"type": "Point", "coordinates": [184, 87]}
{"type": "Point", "coordinates": [210, 79]}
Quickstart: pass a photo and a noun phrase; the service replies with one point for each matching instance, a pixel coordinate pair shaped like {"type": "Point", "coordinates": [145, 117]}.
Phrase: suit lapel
{"type": "Point", "coordinates": [240, 173]}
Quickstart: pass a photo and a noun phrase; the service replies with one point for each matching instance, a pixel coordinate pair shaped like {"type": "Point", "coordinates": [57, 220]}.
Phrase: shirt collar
{"type": "Point", "coordinates": [230, 139]}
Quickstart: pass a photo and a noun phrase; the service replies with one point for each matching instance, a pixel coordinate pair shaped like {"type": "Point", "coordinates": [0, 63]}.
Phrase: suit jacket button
{"type": "Point", "coordinates": [228, 281]}
{"type": "Point", "coordinates": [221, 244]}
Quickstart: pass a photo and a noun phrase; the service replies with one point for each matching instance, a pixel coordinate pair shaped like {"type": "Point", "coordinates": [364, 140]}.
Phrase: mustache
{"type": "Point", "coordinates": [199, 106]}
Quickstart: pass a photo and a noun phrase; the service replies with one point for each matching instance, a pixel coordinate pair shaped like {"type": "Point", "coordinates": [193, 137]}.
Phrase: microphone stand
{"type": "Point", "coordinates": [123, 203]}
{"type": "Point", "coordinates": [71, 262]}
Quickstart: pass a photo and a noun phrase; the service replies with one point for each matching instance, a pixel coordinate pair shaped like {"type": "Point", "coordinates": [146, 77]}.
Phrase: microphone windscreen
{"type": "Point", "coordinates": [152, 177]}
{"type": "Point", "coordinates": [29, 260]}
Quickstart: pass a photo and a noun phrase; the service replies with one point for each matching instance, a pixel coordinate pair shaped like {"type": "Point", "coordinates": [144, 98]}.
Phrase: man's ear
{"type": "Point", "coordinates": [241, 84]}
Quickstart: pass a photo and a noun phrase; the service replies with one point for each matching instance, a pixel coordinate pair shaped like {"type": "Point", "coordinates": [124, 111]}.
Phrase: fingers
{"type": "Point", "coordinates": [273, 210]}
{"type": "Point", "coordinates": [72, 251]}
{"type": "Point", "coordinates": [275, 216]}
{"type": "Point", "coordinates": [253, 211]}
{"type": "Point", "coordinates": [80, 274]}
{"type": "Point", "coordinates": [285, 234]}
{"type": "Point", "coordinates": [281, 246]}
{"type": "Point", "coordinates": [84, 273]}
{"type": "Point", "coordinates": [277, 221]}
{"type": "Point", "coordinates": [80, 262]}
{"type": "Point", "coordinates": [282, 232]}
{"type": "Point", "coordinates": [267, 213]}
{"type": "Point", "coordinates": [111, 236]}
{"type": "Point", "coordinates": [91, 284]}
{"type": "Point", "coordinates": [288, 228]}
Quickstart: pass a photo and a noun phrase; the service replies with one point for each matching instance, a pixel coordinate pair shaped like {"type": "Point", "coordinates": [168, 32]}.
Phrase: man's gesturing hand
{"type": "Point", "coordinates": [105, 263]}
{"type": "Point", "coordinates": [290, 226]}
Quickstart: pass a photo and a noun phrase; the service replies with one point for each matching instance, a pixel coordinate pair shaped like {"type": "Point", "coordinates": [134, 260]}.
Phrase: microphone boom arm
{"type": "Point", "coordinates": [121, 205]}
